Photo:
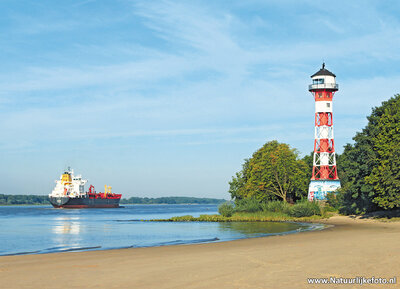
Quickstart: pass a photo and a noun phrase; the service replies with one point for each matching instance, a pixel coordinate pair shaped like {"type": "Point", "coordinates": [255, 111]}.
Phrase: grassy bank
{"type": "Point", "coordinates": [247, 217]}
{"type": "Point", "coordinates": [250, 210]}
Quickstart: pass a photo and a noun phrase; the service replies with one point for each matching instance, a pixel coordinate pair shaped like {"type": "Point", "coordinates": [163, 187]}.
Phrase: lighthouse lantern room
{"type": "Point", "coordinates": [324, 174]}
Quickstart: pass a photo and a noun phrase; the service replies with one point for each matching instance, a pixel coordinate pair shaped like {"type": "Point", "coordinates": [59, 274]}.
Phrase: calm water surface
{"type": "Point", "coordinates": [43, 229]}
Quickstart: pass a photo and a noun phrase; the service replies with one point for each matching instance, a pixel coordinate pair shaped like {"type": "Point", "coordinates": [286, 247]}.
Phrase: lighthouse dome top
{"type": "Point", "coordinates": [323, 71]}
{"type": "Point", "coordinates": [323, 80]}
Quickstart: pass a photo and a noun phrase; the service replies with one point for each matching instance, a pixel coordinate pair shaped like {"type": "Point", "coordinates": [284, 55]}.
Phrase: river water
{"type": "Point", "coordinates": [43, 229]}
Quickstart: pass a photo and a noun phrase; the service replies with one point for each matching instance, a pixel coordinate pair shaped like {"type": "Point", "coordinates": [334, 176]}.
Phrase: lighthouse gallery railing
{"type": "Point", "coordinates": [323, 86]}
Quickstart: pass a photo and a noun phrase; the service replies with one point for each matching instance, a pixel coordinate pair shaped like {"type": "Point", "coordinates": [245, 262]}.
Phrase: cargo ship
{"type": "Point", "coordinates": [69, 192]}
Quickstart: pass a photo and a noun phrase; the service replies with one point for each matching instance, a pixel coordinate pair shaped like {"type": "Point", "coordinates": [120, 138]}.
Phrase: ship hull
{"type": "Point", "coordinates": [77, 203]}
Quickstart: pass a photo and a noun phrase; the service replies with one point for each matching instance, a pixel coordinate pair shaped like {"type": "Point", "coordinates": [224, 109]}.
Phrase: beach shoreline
{"type": "Point", "coordinates": [347, 248]}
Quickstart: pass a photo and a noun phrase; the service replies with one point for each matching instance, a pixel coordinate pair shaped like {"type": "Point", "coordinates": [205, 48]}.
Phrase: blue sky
{"type": "Point", "coordinates": [161, 98]}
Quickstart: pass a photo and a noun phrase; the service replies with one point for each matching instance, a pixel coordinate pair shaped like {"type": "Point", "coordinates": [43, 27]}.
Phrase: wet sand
{"type": "Point", "coordinates": [350, 248]}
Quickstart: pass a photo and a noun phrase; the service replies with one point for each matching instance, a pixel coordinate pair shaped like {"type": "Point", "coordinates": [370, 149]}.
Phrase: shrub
{"type": "Point", "coordinates": [226, 209]}
{"type": "Point", "coordinates": [305, 209]}
{"type": "Point", "coordinates": [249, 205]}
{"type": "Point", "coordinates": [276, 206]}
{"type": "Point", "coordinates": [332, 200]}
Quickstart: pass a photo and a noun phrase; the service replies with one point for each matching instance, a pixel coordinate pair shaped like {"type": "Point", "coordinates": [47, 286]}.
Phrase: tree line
{"type": "Point", "coordinates": [24, 200]}
{"type": "Point", "coordinates": [44, 200]}
{"type": "Point", "coordinates": [369, 168]}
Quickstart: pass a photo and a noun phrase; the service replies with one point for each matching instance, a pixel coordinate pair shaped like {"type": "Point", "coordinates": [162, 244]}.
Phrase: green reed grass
{"type": "Point", "coordinates": [243, 217]}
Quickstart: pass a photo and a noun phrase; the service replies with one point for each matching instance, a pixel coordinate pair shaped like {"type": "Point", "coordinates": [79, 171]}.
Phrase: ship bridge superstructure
{"type": "Point", "coordinates": [69, 185]}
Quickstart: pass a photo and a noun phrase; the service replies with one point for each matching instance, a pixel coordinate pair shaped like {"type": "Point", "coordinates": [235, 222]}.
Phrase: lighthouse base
{"type": "Point", "coordinates": [319, 188]}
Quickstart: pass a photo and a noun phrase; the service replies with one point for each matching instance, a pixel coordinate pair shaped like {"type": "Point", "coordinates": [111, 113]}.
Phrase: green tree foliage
{"type": "Point", "coordinates": [354, 165]}
{"type": "Point", "coordinates": [237, 185]}
{"type": "Point", "coordinates": [273, 172]}
{"type": "Point", "coordinates": [308, 160]}
{"type": "Point", "coordinates": [333, 200]}
{"type": "Point", "coordinates": [370, 168]}
{"type": "Point", "coordinates": [385, 176]}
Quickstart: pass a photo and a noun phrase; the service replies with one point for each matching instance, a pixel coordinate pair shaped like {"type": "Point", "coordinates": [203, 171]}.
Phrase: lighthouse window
{"type": "Point", "coordinates": [328, 105]}
{"type": "Point", "coordinates": [318, 81]}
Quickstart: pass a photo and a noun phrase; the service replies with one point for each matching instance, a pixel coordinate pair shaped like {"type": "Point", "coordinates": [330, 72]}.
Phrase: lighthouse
{"type": "Point", "coordinates": [324, 173]}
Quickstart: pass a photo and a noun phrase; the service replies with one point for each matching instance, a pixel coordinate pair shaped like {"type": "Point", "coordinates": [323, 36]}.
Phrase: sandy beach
{"type": "Point", "coordinates": [349, 248]}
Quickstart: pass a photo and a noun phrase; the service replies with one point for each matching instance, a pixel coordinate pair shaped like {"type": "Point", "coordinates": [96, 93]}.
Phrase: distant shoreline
{"type": "Point", "coordinates": [6, 200]}
{"type": "Point", "coordinates": [121, 205]}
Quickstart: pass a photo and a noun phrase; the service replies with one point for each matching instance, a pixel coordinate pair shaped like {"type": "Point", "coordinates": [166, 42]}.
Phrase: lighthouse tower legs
{"type": "Point", "coordinates": [324, 175]}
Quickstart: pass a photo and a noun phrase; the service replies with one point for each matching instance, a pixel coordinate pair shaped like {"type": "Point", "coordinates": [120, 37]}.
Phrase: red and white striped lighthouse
{"type": "Point", "coordinates": [324, 174]}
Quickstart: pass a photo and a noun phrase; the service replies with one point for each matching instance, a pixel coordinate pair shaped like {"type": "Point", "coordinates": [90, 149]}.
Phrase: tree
{"type": "Point", "coordinates": [273, 172]}
{"type": "Point", "coordinates": [385, 176]}
{"type": "Point", "coordinates": [237, 185]}
{"type": "Point", "coordinates": [354, 165]}
{"type": "Point", "coordinates": [370, 168]}
{"type": "Point", "coordinates": [308, 160]}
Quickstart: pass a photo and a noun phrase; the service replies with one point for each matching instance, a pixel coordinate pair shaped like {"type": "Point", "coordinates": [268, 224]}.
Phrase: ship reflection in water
{"type": "Point", "coordinates": [66, 231]}
{"type": "Point", "coordinates": [67, 225]}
